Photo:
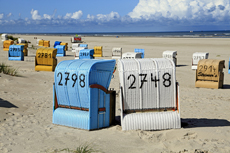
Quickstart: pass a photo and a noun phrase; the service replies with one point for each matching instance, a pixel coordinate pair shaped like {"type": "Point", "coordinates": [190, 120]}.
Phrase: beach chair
{"type": "Point", "coordinates": [65, 44]}
{"type": "Point", "coordinates": [86, 54]}
{"type": "Point", "coordinates": [130, 55]}
{"type": "Point", "coordinates": [77, 50]}
{"type": "Point", "coordinates": [74, 46]}
{"type": "Point", "coordinates": [196, 57]}
{"type": "Point", "coordinates": [81, 96]}
{"type": "Point", "coordinates": [229, 66]}
{"type": "Point", "coordinates": [38, 42]}
{"type": "Point", "coordinates": [4, 37]}
{"type": "Point", "coordinates": [21, 40]}
{"type": "Point", "coordinates": [84, 45]}
{"type": "Point", "coordinates": [25, 50]}
{"type": "Point", "coordinates": [15, 53]}
{"type": "Point", "coordinates": [209, 73]}
{"type": "Point", "coordinates": [60, 50]}
{"type": "Point", "coordinates": [45, 59]}
{"type": "Point", "coordinates": [142, 51]}
{"type": "Point", "coordinates": [149, 94]}
{"type": "Point", "coordinates": [116, 53]}
{"type": "Point", "coordinates": [41, 43]}
{"type": "Point", "coordinates": [57, 43]}
{"type": "Point", "coordinates": [6, 44]}
{"type": "Point", "coordinates": [170, 55]}
{"type": "Point", "coordinates": [97, 51]}
{"type": "Point", "coordinates": [46, 43]}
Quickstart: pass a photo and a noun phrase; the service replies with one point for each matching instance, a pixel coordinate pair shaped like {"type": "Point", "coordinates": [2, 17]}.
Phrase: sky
{"type": "Point", "coordinates": [72, 16]}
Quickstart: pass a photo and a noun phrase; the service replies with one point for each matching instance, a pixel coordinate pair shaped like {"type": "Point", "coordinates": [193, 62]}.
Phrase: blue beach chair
{"type": "Point", "coordinates": [83, 45]}
{"type": "Point", "coordinates": [15, 53]}
{"type": "Point", "coordinates": [86, 54]}
{"type": "Point", "coordinates": [136, 50]}
{"type": "Point", "coordinates": [81, 96]}
{"type": "Point", "coordinates": [57, 43]}
{"type": "Point", "coordinates": [60, 50]}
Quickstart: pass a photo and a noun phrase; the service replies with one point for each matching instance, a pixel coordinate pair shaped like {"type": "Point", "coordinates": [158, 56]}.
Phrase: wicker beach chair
{"type": "Point", "coordinates": [116, 53]}
{"type": "Point", "coordinates": [81, 96]}
{"type": "Point", "coordinates": [45, 59]}
{"type": "Point", "coordinates": [57, 43]}
{"type": "Point", "coordinates": [25, 49]}
{"type": "Point", "coordinates": [86, 54]}
{"type": "Point", "coordinates": [209, 73]}
{"type": "Point", "coordinates": [60, 50]}
{"type": "Point", "coordinates": [142, 51]}
{"type": "Point", "coordinates": [64, 44]}
{"type": "Point", "coordinates": [149, 94]}
{"type": "Point", "coordinates": [84, 45]}
{"type": "Point", "coordinates": [170, 55]}
{"type": "Point", "coordinates": [6, 44]}
{"type": "Point", "coordinates": [196, 57]}
{"type": "Point", "coordinates": [15, 53]}
{"type": "Point", "coordinates": [98, 51]}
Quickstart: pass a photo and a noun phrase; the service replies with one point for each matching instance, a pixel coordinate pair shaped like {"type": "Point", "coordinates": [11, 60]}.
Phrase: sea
{"type": "Point", "coordinates": [185, 34]}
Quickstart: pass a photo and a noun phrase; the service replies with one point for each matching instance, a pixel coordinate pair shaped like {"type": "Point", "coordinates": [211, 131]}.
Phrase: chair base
{"type": "Point", "coordinates": [72, 118]}
{"type": "Point", "coordinates": [44, 68]}
{"type": "Point", "coordinates": [209, 84]}
{"type": "Point", "coordinates": [15, 58]}
{"type": "Point", "coordinates": [151, 121]}
{"type": "Point", "coordinates": [97, 55]}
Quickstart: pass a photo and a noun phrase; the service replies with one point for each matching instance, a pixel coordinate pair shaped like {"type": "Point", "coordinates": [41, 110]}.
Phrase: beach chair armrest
{"type": "Point", "coordinates": [100, 87]}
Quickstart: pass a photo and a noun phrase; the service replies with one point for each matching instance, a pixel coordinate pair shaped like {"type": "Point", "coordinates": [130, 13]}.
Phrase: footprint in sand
{"type": "Point", "coordinates": [190, 135]}
{"type": "Point", "coordinates": [9, 113]}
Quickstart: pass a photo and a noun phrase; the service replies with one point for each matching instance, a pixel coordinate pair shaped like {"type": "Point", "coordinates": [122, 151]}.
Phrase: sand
{"type": "Point", "coordinates": [26, 103]}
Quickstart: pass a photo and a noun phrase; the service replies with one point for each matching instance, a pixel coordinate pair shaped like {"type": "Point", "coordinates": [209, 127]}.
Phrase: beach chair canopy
{"type": "Point", "coordinates": [46, 43]}
{"type": "Point", "coordinates": [116, 53]}
{"type": "Point", "coordinates": [60, 50]}
{"type": "Point", "coordinates": [41, 42]}
{"type": "Point", "coordinates": [6, 44]}
{"type": "Point", "coordinates": [86, 54]}
{"type": "Point", "coordinates": [129, 55]}
{"type": "Point", "coordinates": [149, 98]}
{"type": "Point", "coordinates": [209, 73]}
{"type": "Point", "coordinates": [74, 46]}
{"type": "Point", "coordinates": [98, 51]}
{"type": "Point", "coordinates": [16, 53]}
{"type": "Point", "coordinates": [57, 43]}
{"type": "Point", "coordinates": [45, 59]}
{"type": "Point", "coordinates": [83, 45]}
{"type": "Point", "coordinates": [4, 37]}
{"type": "Point", "coordinates": [198, 56]}
{"type": "Point", "coordinates": [142, 51]}
{"type": "Point", "coordinates": [75, 39]}
{"type": "Point", "coordinates": [170, 55]}
{"type": "Point", "coordinates": [78, 103]}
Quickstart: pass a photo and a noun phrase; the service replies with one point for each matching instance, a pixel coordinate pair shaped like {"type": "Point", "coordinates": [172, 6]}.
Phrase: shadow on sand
{"type": "Point", "coordinates": [203, 122]}
{"type": "Point", "coordinates": [6, 104]}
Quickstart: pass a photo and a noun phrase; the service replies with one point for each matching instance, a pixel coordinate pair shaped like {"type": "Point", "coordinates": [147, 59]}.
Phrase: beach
{"type": "Point", "coordinates": [26, 102]}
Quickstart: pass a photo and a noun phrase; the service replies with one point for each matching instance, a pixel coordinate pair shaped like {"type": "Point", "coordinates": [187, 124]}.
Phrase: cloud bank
{"type": "Point", "coordinates": [148, 15]}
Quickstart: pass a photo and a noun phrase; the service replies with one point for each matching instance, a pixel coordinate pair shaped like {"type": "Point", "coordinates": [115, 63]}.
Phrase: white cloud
{"type": "Point", "coordinates": [1, 15]}
{"type": "Point", "coordinates": [8, 15]}
{"type": "Point", "coordinates": [181, 9]}
{"type": "Point", "coordinates": [75, 15]}
{"type": "Point", "coordinates": [35, 15]}
{"type": "Point", "coordinates": [46, 16]}
{"type": "Point", "coordinates": [108, 17]}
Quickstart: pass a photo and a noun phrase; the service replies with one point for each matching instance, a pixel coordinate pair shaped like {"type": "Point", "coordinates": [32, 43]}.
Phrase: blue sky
{"type": "Point", "coordinates": [113, 16]}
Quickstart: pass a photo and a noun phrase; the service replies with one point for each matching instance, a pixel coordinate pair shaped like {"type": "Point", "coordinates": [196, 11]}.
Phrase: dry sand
{"type": "Point", "coordinates": [26, 103]}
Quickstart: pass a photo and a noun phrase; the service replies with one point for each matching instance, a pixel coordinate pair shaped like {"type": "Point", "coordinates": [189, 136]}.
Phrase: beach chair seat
{"type": "Point", "coordinates": [98, 51]}
{"type": "Point", "coordinates": [116, 53]}
{"type": "Point", "coordinates": [81, 97]}
{"type": "Point", "coordinates": [16, 53]}
{"type": "Point", "coordinates": [131, 55]}
{"type": "Point", "coordinates": [25, 49]}
{"type": "Point", "coordinates": [60, 50]}
{"type": "Point", "coordinates": [21, 40]}
{"type": "Point", "coordinates": [6, 44]}
{"type": "Point", "coordinates": [86, 54]}
{"type": "Point", "coordinates": [65, 44]}
{"type": "Point", "coordinates": [41, 42]}
{"type": "Point", "coordinates": [198, 56]}
{"type": "Point", "coordinates": [209, 73]}
{"type": "Point", "coordinates": [170, 55]}
{"type": "Point", "coordinates": [57, 43]}
{"type": "Point", "coordinates": [77, 50]}
{"type": "Point", "coordinates": [149, 94]}
{"type": "Point", "coordinates": [142, 51]}
{"type": "Point", "coordinates": [45, 59]}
